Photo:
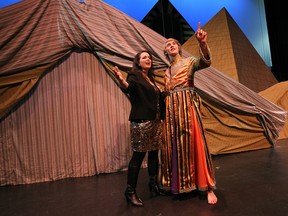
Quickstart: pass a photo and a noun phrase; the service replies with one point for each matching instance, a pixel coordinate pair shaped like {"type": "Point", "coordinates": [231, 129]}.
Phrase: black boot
{"type": "Point", "coordinates": [153, 164]}
{"type": "Point", "coordinates": [131, 196]}
{"type": "Point", "coordinates": [132, 178]}
{"type": "Point", "coordinates": [154, 187]}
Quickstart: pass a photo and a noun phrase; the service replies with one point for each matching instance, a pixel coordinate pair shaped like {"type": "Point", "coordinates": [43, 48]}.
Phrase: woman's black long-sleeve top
{"type": "Point", "coordinates": [143, 97]}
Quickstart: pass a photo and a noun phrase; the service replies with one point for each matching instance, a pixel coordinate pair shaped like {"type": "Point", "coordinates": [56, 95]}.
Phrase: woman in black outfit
{"type": "Point", "coordinates": [145, 121]}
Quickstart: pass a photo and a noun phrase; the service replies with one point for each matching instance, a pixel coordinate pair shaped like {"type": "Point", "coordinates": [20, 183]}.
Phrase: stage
{"type": "Point", "coordinates": [248, 183]}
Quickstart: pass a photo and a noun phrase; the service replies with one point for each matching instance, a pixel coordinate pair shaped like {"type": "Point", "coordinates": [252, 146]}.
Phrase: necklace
{"type": "Point", "coordinates": [149, 81]}
{"type": "Point", "coordinates": [147, 78]}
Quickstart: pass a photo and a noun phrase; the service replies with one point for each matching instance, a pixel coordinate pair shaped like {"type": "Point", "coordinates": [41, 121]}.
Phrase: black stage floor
{"type": "Point", "coordinates": [250, 183]}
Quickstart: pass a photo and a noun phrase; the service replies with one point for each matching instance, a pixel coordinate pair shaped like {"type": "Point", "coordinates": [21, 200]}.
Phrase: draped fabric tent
{"type": "Point", "coordinates": [62, 112]}
{"type": "Point", "coordinates": [278, 94]}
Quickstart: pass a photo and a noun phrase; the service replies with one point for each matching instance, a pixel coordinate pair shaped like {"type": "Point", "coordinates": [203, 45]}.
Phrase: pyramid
{"type": "Point", "coordinates": [233, 54]}
{"type": "Point", "coordinates": [167, 21]}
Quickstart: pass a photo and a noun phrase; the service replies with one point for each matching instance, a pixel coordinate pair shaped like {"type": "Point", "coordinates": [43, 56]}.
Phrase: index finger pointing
{"type": "Point", "coordinates": [199, 26]}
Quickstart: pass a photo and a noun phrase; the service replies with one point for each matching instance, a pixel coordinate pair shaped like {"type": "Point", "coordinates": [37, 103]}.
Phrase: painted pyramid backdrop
{"type": "Point", "coordinates": [233, 54]}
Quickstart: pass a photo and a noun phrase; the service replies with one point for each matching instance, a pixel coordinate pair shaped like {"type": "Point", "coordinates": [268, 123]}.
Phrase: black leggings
{"type": "Point", "coordinates": [138, 157]}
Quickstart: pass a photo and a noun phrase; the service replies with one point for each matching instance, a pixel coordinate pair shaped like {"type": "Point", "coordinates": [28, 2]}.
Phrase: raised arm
{"type": "Point", "coordinates": [201, 36]}
{"type": "Point", "coordinates": [118, 75]}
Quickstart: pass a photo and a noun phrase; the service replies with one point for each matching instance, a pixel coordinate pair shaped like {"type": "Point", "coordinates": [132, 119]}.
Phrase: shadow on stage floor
{"type": "Point", "coordinates": [249, 183]}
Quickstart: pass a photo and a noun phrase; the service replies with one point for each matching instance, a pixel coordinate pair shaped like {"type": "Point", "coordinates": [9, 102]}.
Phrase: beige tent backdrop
{"type": "Point", "coordinates": [62, 113]}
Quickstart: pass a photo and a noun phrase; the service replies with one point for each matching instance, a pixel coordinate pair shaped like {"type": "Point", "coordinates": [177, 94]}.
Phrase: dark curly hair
{"type": "Point", "coordinates": [137, 68]}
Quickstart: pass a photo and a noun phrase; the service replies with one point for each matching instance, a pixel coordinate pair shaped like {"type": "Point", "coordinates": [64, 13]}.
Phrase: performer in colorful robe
{"type": "Point", "coordinates": [186, 163]}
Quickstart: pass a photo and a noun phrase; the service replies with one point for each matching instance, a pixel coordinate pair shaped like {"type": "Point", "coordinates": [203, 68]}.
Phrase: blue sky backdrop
{"type": "Point", "coordinates": [248, 14]}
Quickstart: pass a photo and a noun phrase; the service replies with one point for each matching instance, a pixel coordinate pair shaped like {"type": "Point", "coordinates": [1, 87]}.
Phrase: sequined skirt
{"type": "Point", "coordinates": [146, 135]}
